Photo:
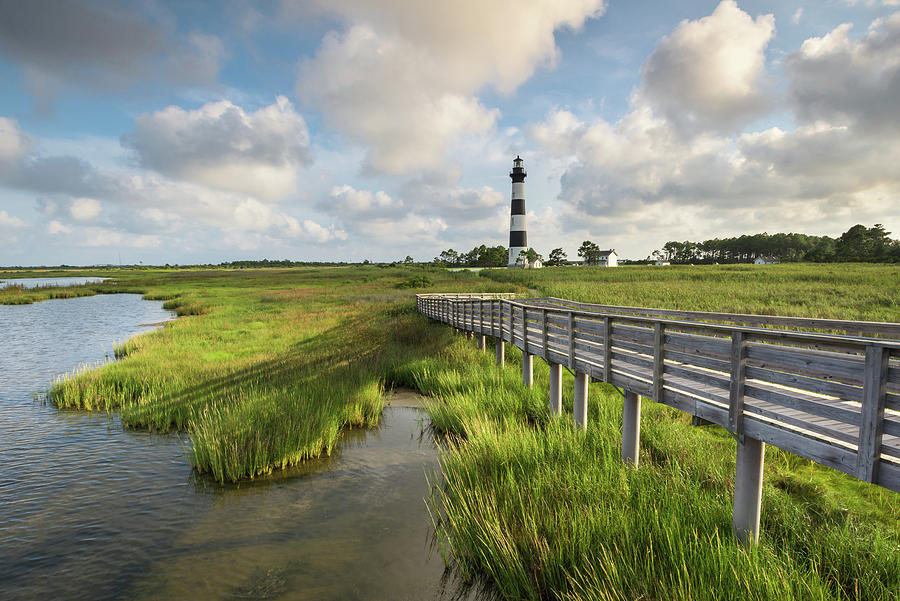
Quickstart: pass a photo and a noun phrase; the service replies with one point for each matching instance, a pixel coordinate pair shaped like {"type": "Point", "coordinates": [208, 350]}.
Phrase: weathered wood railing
{"type": "Point", "coordinates": [832, 398]}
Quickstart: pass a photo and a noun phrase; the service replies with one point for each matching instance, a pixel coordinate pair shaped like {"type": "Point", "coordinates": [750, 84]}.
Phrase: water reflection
{"type": "Point", "coordinates": [94, 511]}
{"type": "Point", "coordinates": [35, 282]}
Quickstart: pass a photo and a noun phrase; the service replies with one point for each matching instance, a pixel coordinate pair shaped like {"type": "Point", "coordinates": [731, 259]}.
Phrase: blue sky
{"type": "Point", "coordinates": [190, 132]}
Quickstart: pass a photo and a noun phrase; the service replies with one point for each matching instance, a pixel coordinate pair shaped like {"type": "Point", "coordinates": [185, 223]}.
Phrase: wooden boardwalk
{"type": "Point", "coordinates": [831, 395]}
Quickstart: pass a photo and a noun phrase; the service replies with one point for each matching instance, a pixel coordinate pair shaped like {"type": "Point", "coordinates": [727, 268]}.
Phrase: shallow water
{"type": "Point", "coordinates": [35, 282]}
{"type": "Point", "coordinates": [93, 511]}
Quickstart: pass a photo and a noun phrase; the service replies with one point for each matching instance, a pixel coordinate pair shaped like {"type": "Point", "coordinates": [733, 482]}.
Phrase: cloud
{"type": "Point", "coordinates": [222, 146]}
{"type": "Point", "coordinates": [100, 48]}
{"type": "Point", "coordinates": [849, 82]}
{"type": "Point", "coordinates": [84, 209]}
{"type": "Point", "coordinates": [640, 180]}
{"type": "Point", "coordinates": [403, 77]}
{"type": "Point", "coordinates": [706, 74]}
{"type": "Point", "coordinates": [354, 204]}
{"type": "Point", "coordinates": [8, 221]}
{"type": "Point", "coordinates": [85, 206]}
{"type": "Point", "coordinates": [56, 227]}
{"type": "Point", "coordinates": [13, 142]}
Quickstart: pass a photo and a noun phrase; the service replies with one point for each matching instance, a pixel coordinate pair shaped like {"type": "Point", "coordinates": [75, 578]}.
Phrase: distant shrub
{"type": "Point", "coordinates": [419, 281]}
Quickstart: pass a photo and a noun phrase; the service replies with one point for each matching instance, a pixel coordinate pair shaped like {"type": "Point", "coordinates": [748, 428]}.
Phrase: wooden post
{"type": "Point", "coordinates": [482, 342]}
{"type": "Point", "coordinates": [527, 369]}
{"type": "Point", "coordinates": [571, 341]}
{"type": "Point", "coordinates": [555, 388]}
{"type": "Point", "coordinates": [607, 349]}
{"type": "Point", "coordinates": [871, 424]}
{"type": "Point", "coordinates": [748, 478]}
{"type": "Point", "coordinates": [500, 343]}
{"type": "Point", "coordinates": [658, 361]}
{"type": "Point", "coordinates": [736, 392]}
{"type": "Point", "coordinates": [544, 333]}
{"type": "Point", "coordinates": [581, 399]}
{"type": "Point", "coordinates": [631, 427]}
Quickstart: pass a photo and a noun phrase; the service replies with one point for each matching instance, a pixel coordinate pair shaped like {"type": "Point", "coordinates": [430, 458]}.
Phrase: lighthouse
{"type": "Point", "coordinates": [518, 239]}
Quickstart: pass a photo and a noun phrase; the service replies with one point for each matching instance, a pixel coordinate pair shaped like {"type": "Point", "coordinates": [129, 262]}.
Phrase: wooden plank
{"type": "Point", "coordinates": [697, 361]}
{"type": "Point", "coordinates": [635, 334]}
{"type": "Point", "coordinates": [718, 380]}
{"type": "Point", "coordinates": [797, 400]}
{"type": "Point", "coordinates": [825, 428]}
{"type": "Point", "coordinates": [831, 388]}
{"type": "Point", "coordinates": [872, 416]}
{"type": "Point", "coordinates": [821, 452]}
{"type": "Point", "coordinates": [636, 360]}
{"type": "Point", "coordinates": [642, 349]}
{"type": "Point", "coordinates": [736, 392]}
{"type": "Point", "coordinates": [709, 346]}
{"type": "Point", "coordinates": [805, 363]}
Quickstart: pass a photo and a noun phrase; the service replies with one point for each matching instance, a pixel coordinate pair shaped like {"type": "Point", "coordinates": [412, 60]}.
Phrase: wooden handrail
{"type": "Point", "coordinates": [832, 398]}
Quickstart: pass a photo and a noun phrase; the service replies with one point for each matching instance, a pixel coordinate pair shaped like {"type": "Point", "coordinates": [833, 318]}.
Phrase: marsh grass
{"type": "Point", "coordinates": [541, 510]}
{"type": "Point", "coordinates": [859, 291]}
{"type": "Point", "coordinates": [279, 362]}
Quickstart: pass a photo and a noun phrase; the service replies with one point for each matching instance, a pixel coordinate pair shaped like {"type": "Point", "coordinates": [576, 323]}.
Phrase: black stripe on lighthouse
{"type": "Point", "coordinates": [517, 239]}
{"type": "Point", "coordinates": [518, 206]}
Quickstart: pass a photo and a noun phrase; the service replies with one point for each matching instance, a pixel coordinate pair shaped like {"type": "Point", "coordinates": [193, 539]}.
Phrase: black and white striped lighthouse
{"type": "Point", "coordinates": [518, 239]}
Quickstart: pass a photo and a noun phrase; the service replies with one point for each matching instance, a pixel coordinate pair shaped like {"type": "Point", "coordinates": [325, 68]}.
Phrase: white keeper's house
{"type": "Point", "coordinates": [608, 258]}
{"type": "Point", "coordinates": [764, 260]}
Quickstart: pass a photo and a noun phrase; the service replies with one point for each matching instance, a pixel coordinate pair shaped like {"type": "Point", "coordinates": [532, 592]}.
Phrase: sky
{"type": "Point", "coordinates": [200, 132]}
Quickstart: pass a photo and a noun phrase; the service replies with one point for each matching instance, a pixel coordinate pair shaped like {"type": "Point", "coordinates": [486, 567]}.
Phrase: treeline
{"type": "Point", "coordinates": [480, 256]}
{"type": "Point", "coordinates": [246, 264]}
{"type": "Point", "coordinates": [858, 244]}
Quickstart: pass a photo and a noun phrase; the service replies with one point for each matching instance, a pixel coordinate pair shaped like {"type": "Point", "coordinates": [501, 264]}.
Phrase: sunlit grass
{"type": "Point", "coordinates": [268, 366]}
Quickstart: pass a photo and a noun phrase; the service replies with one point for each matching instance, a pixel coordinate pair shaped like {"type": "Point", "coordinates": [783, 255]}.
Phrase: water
{"type": "Point", "coordinates": [35, 282]}
{"type": "Point", "coordinates": [89, 510]}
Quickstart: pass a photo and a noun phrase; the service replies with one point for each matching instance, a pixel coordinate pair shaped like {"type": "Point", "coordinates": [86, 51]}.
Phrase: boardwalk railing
{"type": "Point", "coordinates": [832, 398]}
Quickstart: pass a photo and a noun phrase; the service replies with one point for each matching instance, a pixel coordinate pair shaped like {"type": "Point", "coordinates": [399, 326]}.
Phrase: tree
{"type": "Point", "coordinates": [589, 252]}
{"type": "Point", "coordinates": [447, 258]}
{"type": "Point", "coordinates": [408, 260]}
{"type": "Point", "coordinates": [557, 257]}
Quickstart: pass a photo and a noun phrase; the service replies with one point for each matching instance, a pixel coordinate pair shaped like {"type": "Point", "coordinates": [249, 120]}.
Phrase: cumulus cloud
{"type": "Point", "coordinates": [849, 82]}
{"type": "Point", "coordinates": [428, 213]}
{"type": "Point", "coordinates": [87, 206]}
{"type": "Point", "coordinates": [707, 73]}
{"type": "Point", "coordinates": [99, 47]}
{"type": "Point", "coordinates": [84, 209]}
{"type": "Point", "coordinates": [223, 146]}
{"type": "Point", "coordinates": [361, 204]}
{"type": "Point", "coordinates": [641, 177]}
{"type": "Point", "coordinates": [403, 77]}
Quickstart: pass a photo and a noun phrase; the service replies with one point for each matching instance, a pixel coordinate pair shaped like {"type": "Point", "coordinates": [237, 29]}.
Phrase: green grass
{"type": "Point", "coordinates": [541, 510]}
{"type": "Point", "coordinates": [268, 366]}
{"type": "Point", "coordinates": [859, 291]}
